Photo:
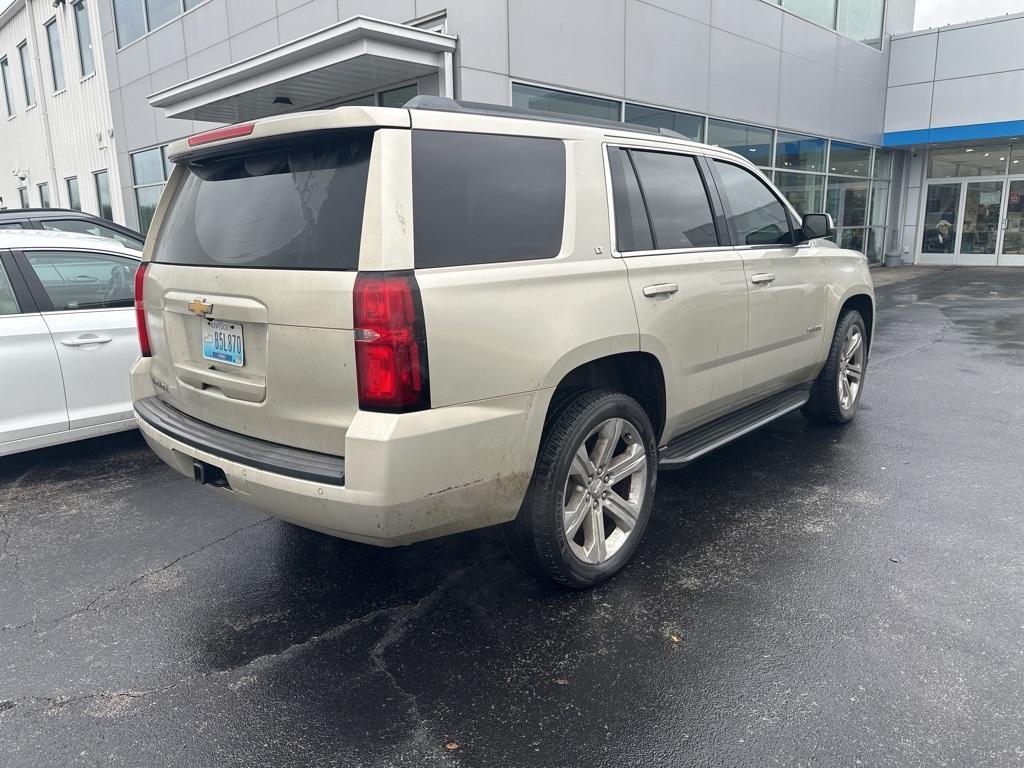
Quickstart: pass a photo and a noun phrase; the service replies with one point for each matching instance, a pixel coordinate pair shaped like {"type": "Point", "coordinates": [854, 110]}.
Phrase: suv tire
{"type": "Point", "coordinates": [578, 526]}
{"type": "Point", "coordinates": [837, 389]}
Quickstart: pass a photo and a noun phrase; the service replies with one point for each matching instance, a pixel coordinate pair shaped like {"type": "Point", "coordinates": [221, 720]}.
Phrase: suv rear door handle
{"type": "Point", "coordinates": [661, 289]}
{"type": "Point", "coordinates": [763, 278]}
{"type": "Point", "coordinates": [85, 340]}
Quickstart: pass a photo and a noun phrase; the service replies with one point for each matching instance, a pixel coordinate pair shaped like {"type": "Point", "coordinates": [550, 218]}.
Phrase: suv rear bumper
{"type": "Point", "coordinates": [404, 478]}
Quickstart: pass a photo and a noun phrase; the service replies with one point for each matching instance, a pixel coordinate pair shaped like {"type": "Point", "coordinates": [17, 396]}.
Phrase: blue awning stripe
{"type": "Point", "coordinates": [973, 132]}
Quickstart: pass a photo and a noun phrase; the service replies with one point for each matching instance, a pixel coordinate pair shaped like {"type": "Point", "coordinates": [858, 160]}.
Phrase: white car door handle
{"type": "Point", "coordinates": [763, 278]}
{"type": "Point", "coordinates": [85, 340]}
{"type": "Point", "coordinates": [662, 289]}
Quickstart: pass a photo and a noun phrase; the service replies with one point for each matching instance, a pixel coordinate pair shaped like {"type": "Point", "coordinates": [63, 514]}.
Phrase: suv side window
{"type": "Point", "coordinates": [677, 200]}
{"type": "Point", "coordinates": [8, 302]}
{"type": "Point", "coordinates": [755, 214]}
{"type": "Point", "coordinates": [485, 199]}
{"type": "Point", "coordinates": [87, 227]}
{"type": "Point", "coordinates": [632, 227]}
{"type": "Point", "coordinates": [75, 280]}
{"type": "Point", "coordinates": [11, 225]}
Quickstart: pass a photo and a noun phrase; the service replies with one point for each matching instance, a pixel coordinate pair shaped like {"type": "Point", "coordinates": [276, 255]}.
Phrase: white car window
{"type": "Point", "coordinates": [79, 280]}
{"type": "Point", "coordinates": [86, 227]}
{"type": "Point", "coordinates": [8, 303]}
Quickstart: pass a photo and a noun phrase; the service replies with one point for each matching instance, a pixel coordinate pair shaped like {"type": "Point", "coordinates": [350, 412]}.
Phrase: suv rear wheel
{"type": "Point", "coordinates": [837, 389]}
{"type": "Point", "coordinates": [592, 490]}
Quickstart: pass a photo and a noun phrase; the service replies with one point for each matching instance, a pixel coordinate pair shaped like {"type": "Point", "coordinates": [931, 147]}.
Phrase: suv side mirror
{"type": "Point", "coordinates": [817, 225]}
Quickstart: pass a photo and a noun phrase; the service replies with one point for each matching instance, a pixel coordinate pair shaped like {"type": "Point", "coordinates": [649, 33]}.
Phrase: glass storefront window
{"type": "Point", "coordinates": [883, 164]}
{"type": "Point", "coordinates": [940, 218]}
{"type": "Point", "coordinates": [564, 103]}
{"type": "Point", "coordinates": [879, 203]}
{"type": "Point", "coordinates": [800, 153]}
{"type": "Point", "coordinates": [861, 20]}
{"type": "Point", "coordinates": [398, 96]}
{"type": "Point", "coordinates": [805, 191]}
{"type": "Point", "coordinates": [847, 201]}
{"type": "Point", "coordinates": [850, 159]}
{"type": "Point", "coordinates": [875, 250]}
{"type": "Point", "coordinates": [852, 239]}
{"type": "Point", "coordinates": [819, 11]}
{"type": "Point", "coordinates": [690, 126]}
{"type": "Point", "coordinates": [1017, 159]}
{"type": "Point", "coordinates": [753, 142]}
{"type": "Point", "coordinates": [967, 161]}
{"type": "Point", "coordinates": [983, 204]}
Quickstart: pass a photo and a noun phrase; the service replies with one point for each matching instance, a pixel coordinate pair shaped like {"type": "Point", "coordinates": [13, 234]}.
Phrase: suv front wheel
{"type": "Point", "coordinates": [592, 490]}
{"type": "Point", "coordinates": [838, 387]}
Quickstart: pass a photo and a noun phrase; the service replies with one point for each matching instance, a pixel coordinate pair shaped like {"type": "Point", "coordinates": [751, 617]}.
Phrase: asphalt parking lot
{"type": "Point", "coordinates": [804, 596]}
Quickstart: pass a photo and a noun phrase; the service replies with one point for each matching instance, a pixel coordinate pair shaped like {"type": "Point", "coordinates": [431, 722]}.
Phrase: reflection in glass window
{"type": "Point", "coordinates": [751, 141]}
{"type": "Point", "coordinates": [850, 159]}
{"type": "Point", "coordinates": [130, 20]}
{"type": "Point", "coordinates": [755, 215]}
{"type": "Point", "coordinates": [85, 57]}
{"type": "Point", "coordinates": [861, 20]}
{"type": "Point", "coordinates": [805, 191]}
{"type": "Point", "coordinates": [5, 79]}
{"type": "Point", "coordinates": [821, 12]}
{"type": "Point", "coordinates": [26, 74]}
{"type": "Point", "coordinates": [56, 58]}
{"type": "Point", "coordinates": [74, 198]}
{"type": "Point", "coordinates": [563, 103]}
{"type": "Point", "coordinates": [8, 304]}
{"type": "Point", "coordinates": [800, 153]}
{"type": "Point", "coordinates": [967, 161]}
{"type": "Point", "coordinates": [847, 201]}
{"type": "Point", "coordinates": [942, 203]}
{"type": "Point", "coordinates": [690, 126]}
{"type": "Point", "coordinates": [1017, 159]}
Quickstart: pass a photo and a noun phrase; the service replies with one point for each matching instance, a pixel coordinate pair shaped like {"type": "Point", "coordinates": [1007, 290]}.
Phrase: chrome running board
{"type": "Point", "coordinates": [693, 444]}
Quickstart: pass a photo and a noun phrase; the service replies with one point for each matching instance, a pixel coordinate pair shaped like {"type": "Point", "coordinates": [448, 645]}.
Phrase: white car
{"type": "Point", "coordinates": [67, 338]}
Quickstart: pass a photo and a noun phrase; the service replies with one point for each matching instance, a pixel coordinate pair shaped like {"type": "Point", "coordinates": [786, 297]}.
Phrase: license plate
{"type": "Point", "coordinates": [222, 342]}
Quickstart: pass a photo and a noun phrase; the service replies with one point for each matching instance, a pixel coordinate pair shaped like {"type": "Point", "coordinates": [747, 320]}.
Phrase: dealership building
{"type": "Point", "coordinates": [913, 140]}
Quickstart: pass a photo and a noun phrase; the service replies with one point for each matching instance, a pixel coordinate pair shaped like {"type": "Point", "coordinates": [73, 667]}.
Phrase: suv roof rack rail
{"type": "Point", "coordinates": [444, 104]}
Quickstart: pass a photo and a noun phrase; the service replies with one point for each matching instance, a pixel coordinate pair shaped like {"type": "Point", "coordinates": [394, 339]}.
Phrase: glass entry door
{"type": "Point", "coordinates": [1012, 254]}
{"type": "Point", "coordinates": [963, 222]}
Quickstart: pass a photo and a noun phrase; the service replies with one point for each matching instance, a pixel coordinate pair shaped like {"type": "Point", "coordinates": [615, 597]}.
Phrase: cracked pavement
{"type": "Point", "coordinates": [804, 596]}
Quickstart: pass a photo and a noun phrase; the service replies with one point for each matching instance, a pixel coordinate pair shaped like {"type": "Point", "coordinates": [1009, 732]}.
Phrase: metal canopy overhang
{"type": "Point", "coordinates": [359, 55]}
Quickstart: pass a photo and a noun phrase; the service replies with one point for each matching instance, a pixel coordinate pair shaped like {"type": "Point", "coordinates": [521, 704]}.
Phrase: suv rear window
{"type": "Point", "coordinates": [296, 206]}
{"type": "Point", "coordinates": [483, 199]}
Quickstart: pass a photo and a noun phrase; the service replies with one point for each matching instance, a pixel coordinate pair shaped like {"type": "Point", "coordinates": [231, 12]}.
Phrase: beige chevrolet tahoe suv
{"type": "Point", "coordinates": [395, 324]}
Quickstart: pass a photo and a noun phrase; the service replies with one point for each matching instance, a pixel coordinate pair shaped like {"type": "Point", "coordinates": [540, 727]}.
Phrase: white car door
{"type": "Point", "coordinates": [86, 298]}
{"type": "Point", "coordinates": [31, 390]}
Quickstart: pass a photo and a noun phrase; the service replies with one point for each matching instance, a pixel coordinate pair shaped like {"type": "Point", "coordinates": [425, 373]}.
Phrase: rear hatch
{"type": "Point", "coordinates": [249, 292]}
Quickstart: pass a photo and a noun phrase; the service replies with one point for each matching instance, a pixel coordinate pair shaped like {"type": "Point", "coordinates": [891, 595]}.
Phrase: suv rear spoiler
{"type": "Point", "coordinates": [290, 124]}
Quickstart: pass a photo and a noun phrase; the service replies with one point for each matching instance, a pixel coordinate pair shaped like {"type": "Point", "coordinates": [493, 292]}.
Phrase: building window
{"type": "Point", "coordinates": [26, 74]}
{"type": "Point", "coordinates": [850, 160]}
{"type": "Point", "coordinates": [85, 57]}
{"type": "Point", "coordinates": [5, 76]}
{"type": "Point", "coordinates": [134, 18]}
{"type": "Point", "coordinates": [967, 161]}
{"type": "Point", "coordinates": [150, 170]}
{"type": "Point", "coordinates": [750, 141]}
{"type": "Point", "coordinates": [690, 126]}
{"type": "Point", "coordinates": [806, 191]}
{"type": "Point", "coordinates": [23, 196]}
{"type": "Point", "coordinates": [800, 153]}
{"type": "Point", "coordinates": [44, 195]}
{"type": "Point", "coordinates": [861, 20]}
{"type": "Point", "coordinates": [102, 182]}
{"type": "Point", "coordinates": [821, 12]}
{"type": "Point", "coordinates": [56, 58]}
{"type": "Point", "coordinates": [74, 199]}
{"type": "Point", "coordinates": [397, 97]}
{"type": "Point", "coordinates": [564, 103]}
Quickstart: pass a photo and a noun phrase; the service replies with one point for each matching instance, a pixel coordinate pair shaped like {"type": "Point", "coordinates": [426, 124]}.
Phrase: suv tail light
{"type": "Point", "coordinates": [391, 343]}
{"type": "Point", "coordinates": [140, 311]}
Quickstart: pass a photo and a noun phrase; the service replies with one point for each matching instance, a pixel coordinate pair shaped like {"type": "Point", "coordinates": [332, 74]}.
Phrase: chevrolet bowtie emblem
{"type": "Point", "coordinates": [200, 307]}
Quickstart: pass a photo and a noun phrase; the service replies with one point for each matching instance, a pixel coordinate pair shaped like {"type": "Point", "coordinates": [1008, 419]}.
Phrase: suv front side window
{"type": "Point", "coordinates": [756, 216]}
{"type": "Point", "coordinates": [75, 280]}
